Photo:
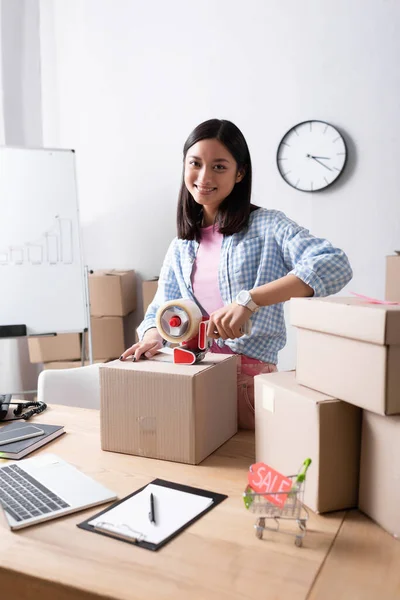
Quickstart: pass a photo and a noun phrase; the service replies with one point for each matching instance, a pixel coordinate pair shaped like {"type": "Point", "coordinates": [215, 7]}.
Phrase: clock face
{"type": "Point", "coordinates": [311, 156]}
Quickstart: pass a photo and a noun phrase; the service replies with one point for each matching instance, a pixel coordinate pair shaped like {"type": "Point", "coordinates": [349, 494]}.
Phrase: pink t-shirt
{"type": "Point", "coordinates": [205, 270]}
{"type": "Point", "coordinates": [205, 284]}
{"type": "Point", "coordinates": [205, 276]}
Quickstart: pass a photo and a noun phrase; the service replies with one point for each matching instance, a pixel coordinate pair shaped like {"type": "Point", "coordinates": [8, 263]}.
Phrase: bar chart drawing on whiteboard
{"type": "Point", "coordinates": [53, 247]}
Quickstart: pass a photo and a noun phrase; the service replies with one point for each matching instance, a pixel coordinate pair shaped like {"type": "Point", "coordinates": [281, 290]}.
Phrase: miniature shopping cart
{"type": "Point", "coordinates": [292, 508]}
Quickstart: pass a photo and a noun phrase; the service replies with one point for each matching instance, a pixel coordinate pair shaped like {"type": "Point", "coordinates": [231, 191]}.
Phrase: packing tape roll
{"type": "Point", "coordinates": [189, 315]}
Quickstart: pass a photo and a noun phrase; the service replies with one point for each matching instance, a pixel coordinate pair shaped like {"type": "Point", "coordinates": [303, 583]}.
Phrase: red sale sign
{"type": "Point", "coordinates": [264, 480]}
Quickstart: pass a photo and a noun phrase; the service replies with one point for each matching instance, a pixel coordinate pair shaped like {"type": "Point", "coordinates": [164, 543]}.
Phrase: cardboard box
{"type": "Point", "coordinates": [149, 289]}
{"type": "Point", "coordinates": [65, 346]}
{"type": "Point", "coordinates": [107, 341]}
{"type": "Point", "coordinates": [380, 471]}
{"type": "Point", "coordinates": [107, 337]}
{"type": "Point", "coordinates": [349, 349]}
{"type": "Point", "coordinates": [112, 293]}
{"type": "Point", "coordinates": [157, 409]}
{"type": "Point", "coordinates": [392, 288]}
{"type": "Point", "coordinates": [72, 364]}
{"type": "Point", "coordinates": [294, 423]}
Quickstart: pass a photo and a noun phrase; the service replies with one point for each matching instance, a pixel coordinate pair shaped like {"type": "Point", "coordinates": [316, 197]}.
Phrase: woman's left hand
{"type": "Point", "coordinates": [226, 322]}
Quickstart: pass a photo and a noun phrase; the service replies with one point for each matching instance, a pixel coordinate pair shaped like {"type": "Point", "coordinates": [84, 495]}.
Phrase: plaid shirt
{"type": "Point", "coordinates": [271, 247]}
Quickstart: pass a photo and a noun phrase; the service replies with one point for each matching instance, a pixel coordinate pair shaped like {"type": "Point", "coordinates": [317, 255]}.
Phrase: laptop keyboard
{"type": "Point", "coordinates": [23, 497]}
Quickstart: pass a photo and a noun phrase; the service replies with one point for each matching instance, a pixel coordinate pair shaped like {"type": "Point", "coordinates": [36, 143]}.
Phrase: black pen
{"type": "Point", "coordinates": [152, 515]}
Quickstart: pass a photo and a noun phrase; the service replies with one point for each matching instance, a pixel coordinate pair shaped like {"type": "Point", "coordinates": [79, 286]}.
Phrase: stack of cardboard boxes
{"type": "Point", "coordinates": [347, 383]}
{"type": "Point", "coordinates": [112, 299]}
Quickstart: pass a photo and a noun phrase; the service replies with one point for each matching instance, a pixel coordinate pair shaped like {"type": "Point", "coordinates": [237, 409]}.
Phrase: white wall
{"type": "Point", "coordinates": [20, 125]}
{"type": "Point", "coordinates": [21, 72]}
{"type": "Point", "coordinates": [2, 136]}
{"type": "Point", "coordinates": [124, 82]}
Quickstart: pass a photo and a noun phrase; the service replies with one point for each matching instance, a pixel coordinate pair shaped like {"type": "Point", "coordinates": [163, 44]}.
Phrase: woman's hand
{"type": "Point", "coordinates": [149, 346]}
{"type": "Point", "coordinates": [226, 322]}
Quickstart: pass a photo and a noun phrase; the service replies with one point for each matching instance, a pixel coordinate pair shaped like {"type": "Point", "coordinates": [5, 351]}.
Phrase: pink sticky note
{"type": "Point", "coordinates": [373, 300]}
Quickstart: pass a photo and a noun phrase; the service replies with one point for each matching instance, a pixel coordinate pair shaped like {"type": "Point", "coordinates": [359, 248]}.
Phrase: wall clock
{"type": "Point", "coordinates": [311, 156]}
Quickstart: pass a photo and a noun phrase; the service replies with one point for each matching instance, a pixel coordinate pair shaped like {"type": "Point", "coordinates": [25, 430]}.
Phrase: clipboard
{"type": "Point", "coordinates": [215, 497]}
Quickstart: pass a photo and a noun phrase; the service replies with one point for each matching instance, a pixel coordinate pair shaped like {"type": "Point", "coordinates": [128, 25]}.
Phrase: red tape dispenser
{"type": "Point", "coordinates": [181, 322]}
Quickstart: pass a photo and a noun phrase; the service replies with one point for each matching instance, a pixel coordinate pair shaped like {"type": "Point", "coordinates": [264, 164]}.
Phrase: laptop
{"type": "Point", "coordinates": [46, 487]}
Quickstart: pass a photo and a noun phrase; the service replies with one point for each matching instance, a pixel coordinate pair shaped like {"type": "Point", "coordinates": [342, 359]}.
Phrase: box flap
{"type": "Point", "coordinates": [348, 317]}
{"type": "Point", "coordinates": [163, 364]}
{"type": "Point", "coordinates": [101, 273]}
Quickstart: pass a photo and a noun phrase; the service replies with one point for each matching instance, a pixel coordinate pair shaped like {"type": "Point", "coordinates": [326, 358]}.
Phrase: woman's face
{"type": "Point", "coordinates": [210, 174]}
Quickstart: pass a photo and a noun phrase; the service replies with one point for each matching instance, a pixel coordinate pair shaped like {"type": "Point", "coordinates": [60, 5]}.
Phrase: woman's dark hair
{"type": "Point", "coordinates": [233, 212]}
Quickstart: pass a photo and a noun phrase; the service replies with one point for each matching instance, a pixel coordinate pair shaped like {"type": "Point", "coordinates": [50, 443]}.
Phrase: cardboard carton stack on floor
{"type": "Point", "coordinates": [349, 348]}
{"type": "Point", "coordinates": [112, 299]}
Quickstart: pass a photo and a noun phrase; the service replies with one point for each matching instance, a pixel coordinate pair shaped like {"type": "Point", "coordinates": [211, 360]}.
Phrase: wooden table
{"type": "Point", "coordinates": [344, 554]}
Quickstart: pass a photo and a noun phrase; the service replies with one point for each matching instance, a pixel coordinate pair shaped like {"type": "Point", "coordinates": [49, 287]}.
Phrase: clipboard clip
{"type": "Point", "coordinates": [121, 530]}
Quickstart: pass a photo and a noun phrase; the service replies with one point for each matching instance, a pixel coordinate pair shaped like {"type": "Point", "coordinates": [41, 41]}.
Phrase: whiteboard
{"type": "Point", "coordinates": [42, 273]}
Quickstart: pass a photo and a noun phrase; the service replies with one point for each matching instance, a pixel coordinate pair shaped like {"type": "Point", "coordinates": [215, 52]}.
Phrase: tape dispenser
{"type": "Point", "coordinates": [181, 322]}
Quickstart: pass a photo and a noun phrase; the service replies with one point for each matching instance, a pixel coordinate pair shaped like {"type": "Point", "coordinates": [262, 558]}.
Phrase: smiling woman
{"type": "Point", "coordinates": [211, 173]}
{"type": "Point", "coordinates": [237, 261]}
{"type": "Point", "coordinates": [216, 183]}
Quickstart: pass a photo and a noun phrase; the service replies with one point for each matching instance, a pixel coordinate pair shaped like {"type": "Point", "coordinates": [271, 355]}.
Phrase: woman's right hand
{"type": "Point", "coordinates": [149, 346]}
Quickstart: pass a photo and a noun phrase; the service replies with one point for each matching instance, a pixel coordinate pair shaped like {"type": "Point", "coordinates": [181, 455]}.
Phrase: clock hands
{"type": "Point", "coordinates": [321, 163]}
{"type": "Point", "coordinates": [318, 161]}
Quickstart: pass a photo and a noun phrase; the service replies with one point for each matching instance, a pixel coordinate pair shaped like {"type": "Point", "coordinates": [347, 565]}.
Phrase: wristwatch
{"type": "Point", "coordinates": [244, 299]}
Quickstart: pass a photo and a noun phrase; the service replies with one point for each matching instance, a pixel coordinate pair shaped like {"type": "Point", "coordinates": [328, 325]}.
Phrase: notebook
{"type": "Point", "coordinates": [175, 508]}
{"type": "Point", "coordinates": [17, 450]}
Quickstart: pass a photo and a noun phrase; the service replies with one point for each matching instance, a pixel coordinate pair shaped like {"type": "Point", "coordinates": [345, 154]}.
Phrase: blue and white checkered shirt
{"type": "Point", "coordinates": [271, 247]}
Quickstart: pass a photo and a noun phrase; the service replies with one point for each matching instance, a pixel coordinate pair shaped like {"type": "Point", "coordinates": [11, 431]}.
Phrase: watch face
{"type": "Point", "coordinates": [243, 297]}
{"type": "Point", "coordinates": [311, 156]}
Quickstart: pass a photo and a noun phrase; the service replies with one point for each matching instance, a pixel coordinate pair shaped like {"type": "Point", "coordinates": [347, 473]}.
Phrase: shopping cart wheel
{"type": "Point", "coordinates": [259, 527]}
{"type": "Point", "coordinates": [298, 541]}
